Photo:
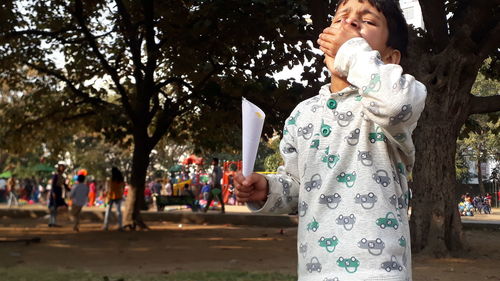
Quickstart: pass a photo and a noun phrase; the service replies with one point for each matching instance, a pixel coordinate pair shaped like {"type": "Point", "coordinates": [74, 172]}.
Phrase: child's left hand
{"type": "Point", "coordinates": [335, 35]}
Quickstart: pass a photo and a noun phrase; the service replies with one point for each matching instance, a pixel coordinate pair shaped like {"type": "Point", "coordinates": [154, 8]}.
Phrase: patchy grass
{"type": "Point", "coordinates": [20, 273]}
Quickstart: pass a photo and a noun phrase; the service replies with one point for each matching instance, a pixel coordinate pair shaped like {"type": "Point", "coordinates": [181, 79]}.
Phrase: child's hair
{"type": "Point", "coordinates": [80, 178]}
{"type": "Point", "coordinates": [396, 23]}
{"type": "Point", "coordinates": [116, 175]}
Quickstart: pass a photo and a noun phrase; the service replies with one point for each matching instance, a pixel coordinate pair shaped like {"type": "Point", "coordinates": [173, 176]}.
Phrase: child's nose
{"type": "Point", "coordinates": [352, 21]}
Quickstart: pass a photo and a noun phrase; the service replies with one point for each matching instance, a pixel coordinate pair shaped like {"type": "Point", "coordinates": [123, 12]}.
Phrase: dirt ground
{"type": "Point", "coordinates": [170, 247]}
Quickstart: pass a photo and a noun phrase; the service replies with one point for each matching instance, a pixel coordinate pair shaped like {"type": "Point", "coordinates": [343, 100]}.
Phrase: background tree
{"type": "Point", "coordinates": [92, 152]}
{"type": "Point", "coordinates": [481, 145]}
{"type": "Point", "coordinates": [462, 167]}
{"type": "Point", "coordinates": [166, 155]}
{"type": "Point", "coordinates": [139, 67]}
{"type": "Point", "coordinates": [274, 160]}
{"type": "Point", "coordinates": [447, 58]}
{"type": "Point", "coordinates": [478, 139]}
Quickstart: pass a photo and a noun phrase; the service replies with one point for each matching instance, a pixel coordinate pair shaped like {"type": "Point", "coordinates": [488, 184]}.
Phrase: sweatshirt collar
{"type": "Point", "coordinates": [325, 91]}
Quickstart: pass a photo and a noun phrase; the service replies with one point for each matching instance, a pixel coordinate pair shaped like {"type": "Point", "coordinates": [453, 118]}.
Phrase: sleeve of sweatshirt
{"type": "Point", "coordinates": [390, 99]}
{"type": "Point", "coordinates": [284, 185]}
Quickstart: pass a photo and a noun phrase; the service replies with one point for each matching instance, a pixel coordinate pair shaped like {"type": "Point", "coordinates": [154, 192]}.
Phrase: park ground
{"type": "Point", "coordinates": [188, 251]}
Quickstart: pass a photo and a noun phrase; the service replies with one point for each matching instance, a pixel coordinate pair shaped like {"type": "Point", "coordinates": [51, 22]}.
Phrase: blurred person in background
{"type": "Point", "coordinates": [11, 192]}
{"type": "Point", "coordinates": [56, 200]}
{"type": "Point", "coordinates": [114, 196]}
{"type": "Point", "coordinates": [79, 195]}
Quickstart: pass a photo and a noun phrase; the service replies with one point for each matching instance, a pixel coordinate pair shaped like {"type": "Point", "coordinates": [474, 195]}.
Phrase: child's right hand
{"type": "Point", "coordinates": [251, 188]}
{"type": "Point", "coordinates": [337, 34]}
{"type": "Point", "coordinates": [329, 62]}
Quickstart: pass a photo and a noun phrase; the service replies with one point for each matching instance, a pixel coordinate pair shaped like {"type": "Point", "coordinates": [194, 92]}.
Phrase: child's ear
{"type": "Point", "coordinates": [392, 56]}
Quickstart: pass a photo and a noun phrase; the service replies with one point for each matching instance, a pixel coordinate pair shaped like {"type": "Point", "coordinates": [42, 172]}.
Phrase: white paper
{"type": "Point", "coordinates": [253, 121]}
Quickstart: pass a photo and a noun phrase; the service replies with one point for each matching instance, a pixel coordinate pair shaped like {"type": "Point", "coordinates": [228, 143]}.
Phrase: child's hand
{"type": "Point", "coordinates": [334, 36]}
{"type": "Point", "coordinates": [251, 188]}
{"type": "Point", "coordinates": [329, 61]}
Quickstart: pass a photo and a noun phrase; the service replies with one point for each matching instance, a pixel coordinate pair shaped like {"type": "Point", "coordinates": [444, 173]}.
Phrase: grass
{"type": "Point", "coordinates": [20, 273]}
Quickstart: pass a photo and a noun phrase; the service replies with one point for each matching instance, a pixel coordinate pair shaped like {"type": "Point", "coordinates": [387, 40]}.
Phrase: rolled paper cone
{"type": "Point", "coordinates": [253, 121]}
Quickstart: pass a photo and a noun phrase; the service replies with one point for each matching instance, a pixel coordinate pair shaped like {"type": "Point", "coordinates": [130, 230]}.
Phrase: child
{"type": "Point", "coordinates": [348, 152]}
{"type": "Point", "coordinates": [205, 191]}
{"type": "Point", "coordinates": [79, 195]}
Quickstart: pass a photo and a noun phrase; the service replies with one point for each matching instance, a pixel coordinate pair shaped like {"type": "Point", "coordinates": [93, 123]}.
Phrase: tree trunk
{"type": "Point", "coordinates": [135, 198]}
{"type": "Point", "coordinates": [482, 191]}
{"type": "Point", "coordinates": [435, 221]}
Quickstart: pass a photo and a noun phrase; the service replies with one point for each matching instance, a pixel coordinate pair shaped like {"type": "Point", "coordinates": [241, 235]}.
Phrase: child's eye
{"type": "Point", "coordinates": [368, 22]}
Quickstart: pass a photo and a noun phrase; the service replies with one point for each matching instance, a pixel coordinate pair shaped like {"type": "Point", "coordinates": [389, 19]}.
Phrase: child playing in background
{"type": "Point", "coordinates": [79, 195]}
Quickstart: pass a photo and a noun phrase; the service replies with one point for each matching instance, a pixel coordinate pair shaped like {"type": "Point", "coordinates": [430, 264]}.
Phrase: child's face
{"type": "Point", "coordinates": [367, 20]}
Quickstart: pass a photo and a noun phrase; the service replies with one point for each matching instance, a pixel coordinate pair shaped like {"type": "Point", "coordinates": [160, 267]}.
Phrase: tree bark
{"type": "Point", "coordinates": [435, 222]}
{"type": "Point", "coordinates": [135, 198]}
{"type": "Point", "coordinates": [482, 191]}
{"type": "Point", "coordinates": [448, 67]}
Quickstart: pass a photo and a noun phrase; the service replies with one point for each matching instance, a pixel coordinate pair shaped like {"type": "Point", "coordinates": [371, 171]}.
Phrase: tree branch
{"type": "Point", "coordinates": [163, 123]}
{"type": "Point", "coordinates": [434, 15]}
{"type": "Point", "coordinates": [491, 41]}
{"type": "Point", "coordinates": [110, 70]}
{"type": "Point", "coordinates": [79, 115]}
{"type": "Point", "coordinates": [56, 35]}
{"type": "Point", "coordinates": [151, 46]}
{"type": "Point", "coordinates": [484, 104]}
{"type": "Point", "coordinates": [320, 10]}
{"type": "Point", "coordinates": [69, 83]}
{"type": "Point", "coordinates": [25, 124]}
{"type": "Point", "coordinates": [156, 105]}
{"type": "Point", "coordinates": [477, 22]}
{"type": "Point", "coordinates": [52, 34]}
{"type": "Point", "coordinates": [149, 89]}
{"type": "Point", "coordinates": [132, 39]}
{"type": "Point", "coordinates": [216, 68]}
{"type": "Point", "coordinates": [171, 80]}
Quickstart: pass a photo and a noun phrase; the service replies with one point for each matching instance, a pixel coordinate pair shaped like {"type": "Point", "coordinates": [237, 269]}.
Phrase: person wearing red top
{"type": "Point", "coordinates": [92, 193]}
{"type": "Point", "coordinates": [487, 203]}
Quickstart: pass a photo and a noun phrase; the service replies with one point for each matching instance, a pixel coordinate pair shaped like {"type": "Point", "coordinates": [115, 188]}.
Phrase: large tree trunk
{"type": "Point", "coordinates": [435, 222]}
{"type": "Point", "coordinates": [135, 198]}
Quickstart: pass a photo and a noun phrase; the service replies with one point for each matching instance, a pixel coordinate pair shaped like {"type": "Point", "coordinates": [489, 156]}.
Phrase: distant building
{"type": "Point", "coordinates": [486, 170]}
{"type": "Point", "coordinates": [412, 12]}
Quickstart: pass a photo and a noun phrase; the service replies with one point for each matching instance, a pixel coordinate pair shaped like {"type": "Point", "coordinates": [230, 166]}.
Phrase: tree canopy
{"type": "Point", "coordinates": [144, 69]}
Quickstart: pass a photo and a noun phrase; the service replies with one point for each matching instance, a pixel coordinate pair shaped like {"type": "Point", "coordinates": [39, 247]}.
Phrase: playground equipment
{"type": "Point", "coordinates": [178, 187]}
{"type": "Point", "coordinates": [229, 170]}
{"type": "Point", "coordinates": [162, 201]}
